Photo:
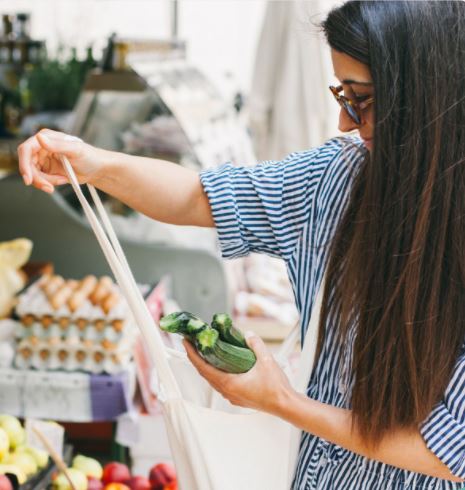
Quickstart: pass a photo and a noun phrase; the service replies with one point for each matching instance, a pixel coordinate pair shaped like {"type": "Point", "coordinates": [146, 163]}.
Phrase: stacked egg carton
{"type": "Point", "coordinates": [74, 325]}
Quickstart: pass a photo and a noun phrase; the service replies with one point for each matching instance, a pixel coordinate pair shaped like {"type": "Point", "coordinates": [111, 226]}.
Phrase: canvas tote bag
{"type": "Point", "coordinates": [215, 446]}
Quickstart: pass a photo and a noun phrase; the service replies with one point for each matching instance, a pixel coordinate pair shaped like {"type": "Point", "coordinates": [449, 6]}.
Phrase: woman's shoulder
{"type": "Point", "coordinates": [339, 149]}
{"type": "Point", "coordinates": [338, 158]}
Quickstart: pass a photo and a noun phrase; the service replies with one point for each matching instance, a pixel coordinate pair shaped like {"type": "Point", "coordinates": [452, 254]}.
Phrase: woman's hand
{"type": "Point", "coordinates": [265, 387]}
{"type": "Point", "coordinates": [39, 163]}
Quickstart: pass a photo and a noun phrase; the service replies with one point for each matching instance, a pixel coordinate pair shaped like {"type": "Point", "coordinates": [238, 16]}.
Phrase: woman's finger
{"type": "Point", "coordinates": [258, 346]}
{"type": "Point", "coordinates": [66, 144]}
{"type": "Point", "coordinates": [54, 179]}
{"type": "Point", "coordinates": [40, 182]}
{"type": "Point", "coordinates": [26, 151]}
{"type": "Point", "coordinates": [206, 370]}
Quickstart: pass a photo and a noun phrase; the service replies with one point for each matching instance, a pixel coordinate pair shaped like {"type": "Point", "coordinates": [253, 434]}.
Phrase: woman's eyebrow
{"type": "Point", "coordinates": [355, 82]}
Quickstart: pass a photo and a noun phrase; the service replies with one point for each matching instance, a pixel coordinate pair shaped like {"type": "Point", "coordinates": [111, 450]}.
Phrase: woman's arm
{"type": "Point", "coordinates": [266, 388]}
{"type": "Point", "coordinates": [162, 190]}
{"type": "Point", "coordinates": [404, 448]}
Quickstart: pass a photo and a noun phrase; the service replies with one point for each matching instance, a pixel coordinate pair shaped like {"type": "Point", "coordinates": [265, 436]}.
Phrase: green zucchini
{"type": "Point", "coordinates": [221, 345]}
{"type": "Point", "coordinates": [182, 322]}
{"type": "Point", "coordinates": [228, 333]}
{"type": "Point", "coordinates": [222, 355]}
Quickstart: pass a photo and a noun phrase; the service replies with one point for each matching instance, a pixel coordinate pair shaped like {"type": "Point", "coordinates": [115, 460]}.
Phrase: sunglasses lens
{"type": "Point", "coordinates": [344, 103]}
{"type": "Point", "coordinates": [351, 111]}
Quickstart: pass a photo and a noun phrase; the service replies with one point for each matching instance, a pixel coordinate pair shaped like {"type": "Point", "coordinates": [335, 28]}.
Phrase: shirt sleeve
{"type": "Point", "coordinates": [444, 430]}
{"type": "Point", "coordinates": [263, 208]}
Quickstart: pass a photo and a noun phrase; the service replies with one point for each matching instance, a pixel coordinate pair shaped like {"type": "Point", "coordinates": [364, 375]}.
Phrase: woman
{"type": "Point", "coordinates": [383, 214]}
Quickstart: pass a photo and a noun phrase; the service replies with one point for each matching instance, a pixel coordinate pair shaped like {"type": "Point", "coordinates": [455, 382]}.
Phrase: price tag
{"type": "Point", "coordinates": [52, 431]}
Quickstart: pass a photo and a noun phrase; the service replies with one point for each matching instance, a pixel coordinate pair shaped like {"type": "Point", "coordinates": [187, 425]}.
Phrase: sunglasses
{"type": "Point", "coordinates": [353, 109]}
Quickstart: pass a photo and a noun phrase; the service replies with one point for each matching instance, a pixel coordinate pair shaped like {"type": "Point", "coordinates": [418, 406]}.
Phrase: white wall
{"type": "Point", "coordinates": [221, 34]}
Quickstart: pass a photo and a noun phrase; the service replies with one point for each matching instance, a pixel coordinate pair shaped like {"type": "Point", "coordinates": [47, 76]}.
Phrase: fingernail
{"type": "Point", "coordinates": [249, 334]}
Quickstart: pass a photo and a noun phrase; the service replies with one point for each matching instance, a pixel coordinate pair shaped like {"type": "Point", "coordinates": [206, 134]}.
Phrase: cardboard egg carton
{"type": "Point", "coordinates": [32, 353]}
{"type": "Point", "coordinates": [92, 308]}
{"type": "Point", "coordinates": [74, 325]}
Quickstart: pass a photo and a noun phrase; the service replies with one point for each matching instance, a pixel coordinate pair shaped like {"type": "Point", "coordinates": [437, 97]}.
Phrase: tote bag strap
{"type": "Point", "coordinates": [288, 345]}
{"type": "Point", "coordinates": [307, 357]}
{"type": "Point", "coordinates": [118, 264]}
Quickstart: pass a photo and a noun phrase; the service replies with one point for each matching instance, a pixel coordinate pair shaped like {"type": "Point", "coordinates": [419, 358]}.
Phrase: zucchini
{"type": "Point", "coordinates": [206, 339]}
{"type": "Point", "coordinates": [182, 322]}
{"type": "Point", "coordinates": [221, 345]}
{"type": "Point", "coordinates": [222, 355]}
{"type": "Point", "coordinates": [228, 333]}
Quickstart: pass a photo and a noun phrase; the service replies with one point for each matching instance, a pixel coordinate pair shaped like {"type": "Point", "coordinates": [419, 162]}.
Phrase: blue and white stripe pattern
{"type": "Point", "coordinates": [290, 209]}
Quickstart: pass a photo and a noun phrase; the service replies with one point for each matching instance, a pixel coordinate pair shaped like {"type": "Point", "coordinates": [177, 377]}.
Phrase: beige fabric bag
{"type": "Point", "coordinates": [215, 446]}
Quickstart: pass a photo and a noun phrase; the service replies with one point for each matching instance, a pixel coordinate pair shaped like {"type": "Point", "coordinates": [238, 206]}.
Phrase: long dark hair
{"type": "Point", "coordinates": [397, 261]}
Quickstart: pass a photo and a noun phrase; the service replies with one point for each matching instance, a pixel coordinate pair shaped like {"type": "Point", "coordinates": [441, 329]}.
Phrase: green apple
{"type": "Point", "coordinates": [4, 443]}
{"type": "Point", "coordinates": [78, 478]}
{"type": "Point", "coordinates": [15, 470]}
{"type": "Point", "coordinates": [40, 456]}
{"type": "Point", "coordinates": [24, 461]}
{"type": "Point", "coordinates": [12, 426]}
{"type": "Point", "coordinates": [89, 466]}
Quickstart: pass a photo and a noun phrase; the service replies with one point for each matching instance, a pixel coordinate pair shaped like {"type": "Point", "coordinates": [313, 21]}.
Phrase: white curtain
{"type": "Point", "coordinates": [290, 106]}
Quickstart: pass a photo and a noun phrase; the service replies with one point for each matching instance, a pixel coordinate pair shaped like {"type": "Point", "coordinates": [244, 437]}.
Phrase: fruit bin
{"type": "Point", "coordinates": [42, 479]}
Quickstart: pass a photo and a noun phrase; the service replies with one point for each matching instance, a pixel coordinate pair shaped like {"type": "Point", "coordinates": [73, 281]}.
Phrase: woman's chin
{"type": "Point", "coordinates": [368, 143]}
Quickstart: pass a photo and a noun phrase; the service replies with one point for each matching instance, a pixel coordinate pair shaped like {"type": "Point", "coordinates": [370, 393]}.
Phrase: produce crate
{"type": "Point", "coordinates": [42, 479]}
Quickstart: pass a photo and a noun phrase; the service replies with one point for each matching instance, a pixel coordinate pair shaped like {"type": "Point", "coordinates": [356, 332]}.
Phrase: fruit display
{"type": "Point", "coordinates": [6, 469]}
{"type": "Point", "coordinates": [13, 255]}
{"type": "Point", "coordinates": [94, 483]}
{"type": "Point", "coordinates": [16, 457]}
{"type": "Point", "coordinates": [26, 462]}
{"type": "Point", "coordinates": [114, 476]}
{"type": "Point", "coordinates": [139, 483]}
{"type": "Point", "coordinates": [78, 478]}
{"type": "Point", "coordinates": [221, 344]}
{"type": "Point", "coordinates": [163, 477]}
{"type": "Point", "coordinates": [74, 325]}
{"type": "Point", "coordinates": [14, 430]}
{"type": "Point", "coordinates": [4, 443]}
{"type": "Point", "coordinates": [115, 473]}
{"type": "Point", "coordinates": [89, 466]}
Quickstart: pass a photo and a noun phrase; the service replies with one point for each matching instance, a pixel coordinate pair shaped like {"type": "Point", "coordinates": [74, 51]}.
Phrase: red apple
{"type": "Point", "coordinates": [5, 483]}
{"type": "Point", "coordinates": [94, 483]}
{"type": "Point", "coordinates": [116, 486]}
{"type": "Point", "coordinates": [115, 473]}
{"type": "Point", "coordinates": [171, 486]}
{"type": "Point", "coordinates": [161, 475]}
{"type": "Point", "coordinates": [139, 483]}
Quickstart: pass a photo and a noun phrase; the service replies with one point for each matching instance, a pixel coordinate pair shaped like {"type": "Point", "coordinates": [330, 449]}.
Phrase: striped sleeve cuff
{"type": "Point", "coordinates": [220, 192]}
{"type": "Point", "coordinates": [445, 437]}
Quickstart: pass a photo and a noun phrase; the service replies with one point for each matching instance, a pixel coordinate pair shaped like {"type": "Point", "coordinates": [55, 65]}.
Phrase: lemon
{"type": "Point", "coordinates": [15, 253]}
{"type": "Point", "coordinates": [4, 443]}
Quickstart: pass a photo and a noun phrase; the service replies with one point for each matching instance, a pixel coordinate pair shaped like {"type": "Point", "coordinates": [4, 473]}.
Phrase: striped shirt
{"type": "Point", "coordinates": [290, 209]}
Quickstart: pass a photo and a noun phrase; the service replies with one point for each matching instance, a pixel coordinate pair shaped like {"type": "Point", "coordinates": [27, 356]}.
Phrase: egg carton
{"type": "Point", "coordinates": [92, 358]}
{"type": "Point", "coordinates": [54, 300]}
{"type": "Point", "coordinates": [97, 332]}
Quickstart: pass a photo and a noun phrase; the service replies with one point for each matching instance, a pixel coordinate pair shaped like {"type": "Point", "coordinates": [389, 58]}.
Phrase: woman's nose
{"type": "Point", "coordinates": [346, 123]}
